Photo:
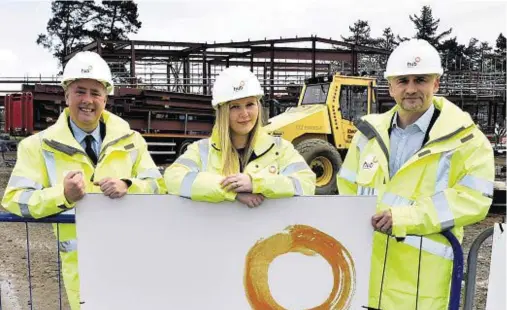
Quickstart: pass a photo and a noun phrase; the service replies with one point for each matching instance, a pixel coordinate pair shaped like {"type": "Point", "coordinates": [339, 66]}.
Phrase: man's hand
{"type": "Point", "coordinates": [73, 186]}
{"type": "Point", "coordinates": [251, 200]}
{"type": "Point", "coordinates": [113, 188]}
{"type": "Point", "coordinates": [382, 221]}
{"type": "Point", "coordinates": [239, 183]}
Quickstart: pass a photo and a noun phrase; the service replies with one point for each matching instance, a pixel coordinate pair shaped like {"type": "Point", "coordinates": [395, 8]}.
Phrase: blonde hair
{"type": "Point", "coordinates": [230, 156]}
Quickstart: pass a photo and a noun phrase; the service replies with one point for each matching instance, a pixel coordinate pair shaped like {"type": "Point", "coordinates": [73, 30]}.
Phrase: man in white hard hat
{"type": "Point", "coordinates": [88, 150]}
{"type": "Point", "coordinates": [432, 171]}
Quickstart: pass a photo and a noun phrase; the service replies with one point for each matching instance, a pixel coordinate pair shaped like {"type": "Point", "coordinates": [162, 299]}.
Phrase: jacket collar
{"type": "Point", "coordinates": [451, 120]}
{"type": "Point", "coordinates": [263, 143]}
{"type": "Point", "coordinates": [116, 128]}
{"type": "Point", "coordinates": [422, 123]}
{"type": "Point", "coordinates": [80, 135]}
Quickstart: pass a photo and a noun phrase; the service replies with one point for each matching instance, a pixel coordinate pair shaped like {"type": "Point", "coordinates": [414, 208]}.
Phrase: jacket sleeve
{"type": "Point", "coordinates": [28, 192]}
{"type": "Point", "coordinates": [186, 178]}
{"type": "Point", "coordinates": [465, 202]}
{"type": "Point", "coordinates": [295, 178]}
{"type": "Point", "coordinates": [346, 178]}
{"type": "Point", "coordinates": [146, 178]}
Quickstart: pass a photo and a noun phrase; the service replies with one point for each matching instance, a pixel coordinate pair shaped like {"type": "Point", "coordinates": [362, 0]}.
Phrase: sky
{"type": "Point", "coordinates": [222, 21]}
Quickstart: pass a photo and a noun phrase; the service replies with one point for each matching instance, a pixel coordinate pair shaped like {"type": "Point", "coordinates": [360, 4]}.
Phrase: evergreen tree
{"type": "Point", "coordinates": [426, 26]}
{"type": "Point", "coordinates": [360, 34]}
{"type": "Point", "coordinates": [76, 23]}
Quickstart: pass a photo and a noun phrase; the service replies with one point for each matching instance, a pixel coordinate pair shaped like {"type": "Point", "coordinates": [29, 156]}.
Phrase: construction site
{"type": "Point", "coordinates": [163, 89]}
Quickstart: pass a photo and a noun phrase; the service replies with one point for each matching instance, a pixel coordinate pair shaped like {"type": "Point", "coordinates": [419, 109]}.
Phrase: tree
{"type": "Point", "coordinates": [119, 18]}
{"type": "Point", "coordinates": [387, 41]}
{"type": "Point", "coordinates": [484, 56]}
{"type": "Point", "coordinates": [500, 45]}
{"type": "Point", "coordinates": [427, 27]}
{"type": "Point", "coordinates": [66, 30]}
{"type": "Point", "coordinates": [76, 23]}
{"type": "Point", "coordinates": [500, 52]}
{"type": "Point", "coordinates": [360, 34]}
{"type": "Point", "coordinates": [472, 55]}
{"type": "Point", "coordinates": [452, 54]}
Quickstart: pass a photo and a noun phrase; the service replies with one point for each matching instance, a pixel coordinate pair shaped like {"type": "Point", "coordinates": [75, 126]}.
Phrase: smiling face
{"type": "Point", "coordinates": [86, 100]}
{"type": "Point", "coordinates": [413, 93]}
{"type": "Point", "coordinates": [243, 115]}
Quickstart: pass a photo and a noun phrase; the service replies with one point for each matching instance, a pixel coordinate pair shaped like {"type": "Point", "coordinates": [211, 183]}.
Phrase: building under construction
{"type": "Point", "coordinates": [282, 65]}
{"type": "Point", "coordinates": [163, 89]}
{"type": "Point", "coordinates": [155, 76]}
{"type": "Point", "coordinates": [188, 67]}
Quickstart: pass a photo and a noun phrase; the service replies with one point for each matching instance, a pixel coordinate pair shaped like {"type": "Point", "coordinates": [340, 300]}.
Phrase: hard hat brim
{"type": "Point", "coordinates": [108, 86]}
{"type": "Point", "coordinates": [216, 103]}
{"type": "Point", "coordinates": [388, 75]}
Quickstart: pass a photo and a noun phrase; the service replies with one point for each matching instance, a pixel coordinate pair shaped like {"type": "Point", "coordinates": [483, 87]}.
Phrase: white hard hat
{"type": "Point", "coordinates": [88, 65]}
{"type": "Point", "coordinates": [414, 56]}
{"type": "Point", "coordinates": [235, 83]}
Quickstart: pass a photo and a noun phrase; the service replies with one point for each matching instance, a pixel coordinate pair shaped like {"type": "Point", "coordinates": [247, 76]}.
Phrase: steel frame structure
{"type": "Point", "coordinates": [191, 67]}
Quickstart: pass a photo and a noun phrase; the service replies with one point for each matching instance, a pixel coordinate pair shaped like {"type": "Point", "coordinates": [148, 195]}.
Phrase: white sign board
{"type": "Point", "coordinates": [167, 252]}
{"type": "Point", "coordinates": [496, 283]}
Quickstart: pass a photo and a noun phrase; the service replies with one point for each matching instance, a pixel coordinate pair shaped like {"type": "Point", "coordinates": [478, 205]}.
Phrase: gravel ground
{"type": "Point", "coordinates": [14, 291]}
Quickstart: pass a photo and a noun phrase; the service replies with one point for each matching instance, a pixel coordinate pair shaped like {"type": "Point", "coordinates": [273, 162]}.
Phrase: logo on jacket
{"type": "Point", "coordinates": [240, 86]}
{"type": "Point", "coordinates": [370, 162]}
{"type": "Point", "coordinates": [414, 63]}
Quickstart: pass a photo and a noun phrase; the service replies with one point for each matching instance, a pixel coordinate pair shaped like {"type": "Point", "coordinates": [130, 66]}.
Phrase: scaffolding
{"type": "Point", "coordinates": [281, 65]}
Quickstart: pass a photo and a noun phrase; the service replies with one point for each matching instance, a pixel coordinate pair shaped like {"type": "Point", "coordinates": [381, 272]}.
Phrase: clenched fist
{"type": "Point", "coordinates": [113, 188]}
{"type": "Point", "coordinates": [74, 186]}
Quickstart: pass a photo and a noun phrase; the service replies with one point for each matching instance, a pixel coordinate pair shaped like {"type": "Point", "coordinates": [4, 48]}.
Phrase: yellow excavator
{"type": "Point", "coordinates": [321, 126]}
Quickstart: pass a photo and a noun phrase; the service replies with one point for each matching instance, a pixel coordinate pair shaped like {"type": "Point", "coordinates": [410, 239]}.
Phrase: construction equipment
{"type": "Point", "coordinates": [321, 127]}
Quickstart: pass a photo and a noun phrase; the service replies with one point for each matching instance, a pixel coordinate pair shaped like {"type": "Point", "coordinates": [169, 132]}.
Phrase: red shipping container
{"type": "Point", "coordinates": [19, 114]}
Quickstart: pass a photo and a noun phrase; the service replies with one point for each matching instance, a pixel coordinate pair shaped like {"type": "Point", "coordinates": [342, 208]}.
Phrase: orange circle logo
{"type": "Point", "coordinates": [308, 241]}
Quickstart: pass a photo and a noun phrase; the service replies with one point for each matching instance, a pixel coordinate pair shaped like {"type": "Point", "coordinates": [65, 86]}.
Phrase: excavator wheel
{"type": "Point", "coordinates": [324, 160]}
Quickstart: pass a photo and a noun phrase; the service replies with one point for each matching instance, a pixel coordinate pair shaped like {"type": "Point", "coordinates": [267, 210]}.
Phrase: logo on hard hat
{"type": "Point", "coordinates": [414, 63]}
{"type": "Point", "coordinates": [240, 86]}
{"type": "Point", "coordinates": [87, 70]}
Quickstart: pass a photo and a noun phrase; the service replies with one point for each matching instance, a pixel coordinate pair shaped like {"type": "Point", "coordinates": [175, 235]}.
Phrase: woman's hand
{"type": "Point", "coordinates": [239, 183]}
{"type": "Point", "coordinates": [251, 200]}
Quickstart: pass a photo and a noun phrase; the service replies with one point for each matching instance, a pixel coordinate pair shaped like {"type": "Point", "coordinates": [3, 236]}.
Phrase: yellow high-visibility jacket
{"type": "Point", "coordinates": [35, 188]}
{"type": "Point", "coordinates": [446, 185]}
{"type": "Point", "coordinates": [277, 171]}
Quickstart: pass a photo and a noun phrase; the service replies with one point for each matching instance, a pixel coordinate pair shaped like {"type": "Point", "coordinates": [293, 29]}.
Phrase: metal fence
{"type": "Point", "coordinates": [59, 219]}
{"type": "Point", "coordinates": [472, 263]}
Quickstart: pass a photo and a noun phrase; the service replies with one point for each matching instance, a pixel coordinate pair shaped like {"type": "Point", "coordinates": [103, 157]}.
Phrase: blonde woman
{"type": "Point", "coordinates": [239, 161]}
